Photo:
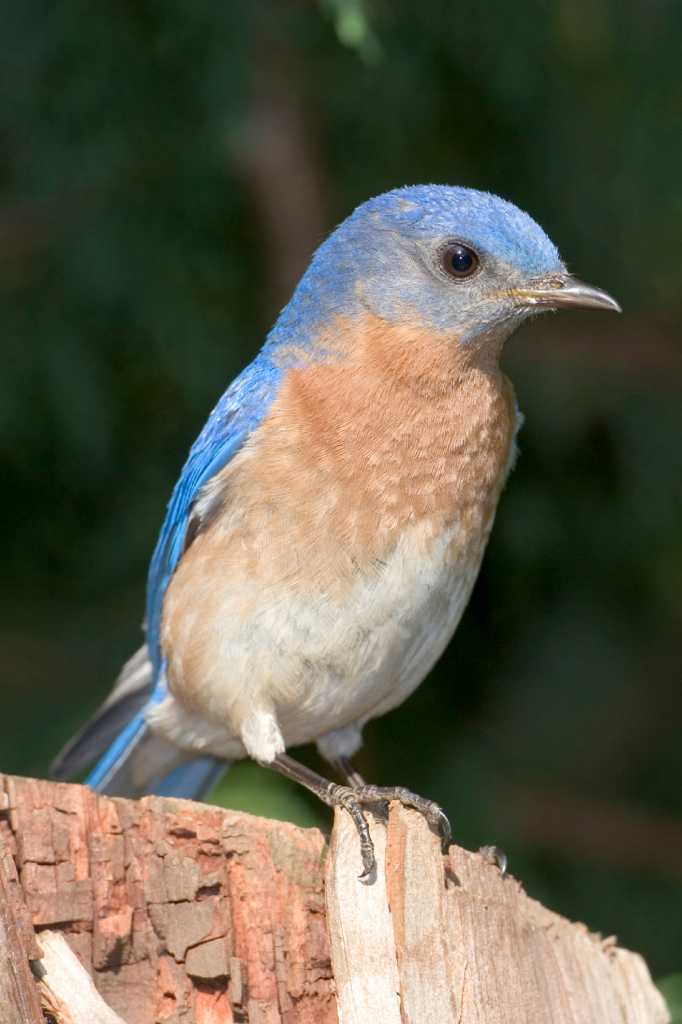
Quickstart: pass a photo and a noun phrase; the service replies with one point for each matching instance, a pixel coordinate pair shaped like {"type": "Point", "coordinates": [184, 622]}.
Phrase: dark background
{"type": "Point", "coordinates": [167, 169]}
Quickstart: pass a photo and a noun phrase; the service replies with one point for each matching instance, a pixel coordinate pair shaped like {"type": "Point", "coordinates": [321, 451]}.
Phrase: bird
{"type": "Point", "coordinates": [326, 531]}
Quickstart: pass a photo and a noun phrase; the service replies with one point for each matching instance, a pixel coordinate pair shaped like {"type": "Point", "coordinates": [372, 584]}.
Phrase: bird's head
{"type": "Point", "coordinates": [449, 259]}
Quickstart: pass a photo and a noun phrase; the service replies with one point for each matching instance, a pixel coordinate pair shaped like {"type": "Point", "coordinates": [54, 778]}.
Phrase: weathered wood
{"type": "Point", "coordinates": [359, 920]}
{"type": "Point", "coordinates": [19, 1002]}
{"type": "Point", "coordinates": [180, 911]}
{"type": "Point", "coordinates": [471, 947]}
{"type": "Point", "coordinates": [188, 914]}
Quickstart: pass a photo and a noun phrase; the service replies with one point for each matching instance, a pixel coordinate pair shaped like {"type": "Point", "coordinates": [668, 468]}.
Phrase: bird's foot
{"type": "Point", "coordinates": [347, 797]}
{"type": "Point", "coordinates": [333, 795]}
{"type": "Point", "coordinates": [433, 812]}
{"type": "Point", "coordinates": [351, 797]}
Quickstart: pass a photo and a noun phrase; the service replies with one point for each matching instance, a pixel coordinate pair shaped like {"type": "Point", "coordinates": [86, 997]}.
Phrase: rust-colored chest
{"type": "Point", "coordinates": [406, 430]}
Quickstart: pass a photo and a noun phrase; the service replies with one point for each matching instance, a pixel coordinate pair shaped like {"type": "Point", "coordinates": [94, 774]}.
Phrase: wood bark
{"type": "Point", "coordinates": [188, 914]}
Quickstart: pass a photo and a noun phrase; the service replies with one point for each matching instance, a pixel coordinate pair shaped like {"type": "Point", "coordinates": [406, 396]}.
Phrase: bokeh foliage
{"type": "Point", "coordinates": [152, 155]}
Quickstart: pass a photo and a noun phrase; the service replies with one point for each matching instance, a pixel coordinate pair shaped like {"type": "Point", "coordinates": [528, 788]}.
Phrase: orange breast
{"type": "Point", "coordinates": [405, 427]}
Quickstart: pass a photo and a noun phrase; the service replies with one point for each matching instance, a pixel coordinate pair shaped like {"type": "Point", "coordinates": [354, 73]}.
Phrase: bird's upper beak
{"type": "Point", "coordinates": [562, 291]}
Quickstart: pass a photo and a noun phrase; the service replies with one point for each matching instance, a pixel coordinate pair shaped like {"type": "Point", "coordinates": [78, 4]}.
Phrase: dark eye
{"type": "Point", "coordinates": [459, 260]}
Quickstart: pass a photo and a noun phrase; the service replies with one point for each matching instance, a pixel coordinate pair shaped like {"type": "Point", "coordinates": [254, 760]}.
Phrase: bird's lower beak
{"type": "Point", "coordinates": [563, 291]}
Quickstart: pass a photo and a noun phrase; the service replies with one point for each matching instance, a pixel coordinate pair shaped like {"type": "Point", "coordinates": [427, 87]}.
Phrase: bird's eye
{"type": "Point", "coordinates": [459, 260]}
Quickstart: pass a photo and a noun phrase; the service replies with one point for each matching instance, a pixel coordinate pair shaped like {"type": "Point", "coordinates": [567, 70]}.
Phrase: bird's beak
{"type": "Point", "coordinates": [563, 291]}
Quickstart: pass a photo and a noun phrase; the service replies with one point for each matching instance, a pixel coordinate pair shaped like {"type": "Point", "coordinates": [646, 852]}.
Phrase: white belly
{"type": "Point", "coordinates": [377, 647]}
{"type": "Point", "coordinates": [322, 664]}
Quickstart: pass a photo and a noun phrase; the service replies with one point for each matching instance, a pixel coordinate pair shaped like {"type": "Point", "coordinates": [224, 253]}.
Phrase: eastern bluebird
{"type": "Point", "coordinates": [327, 528]}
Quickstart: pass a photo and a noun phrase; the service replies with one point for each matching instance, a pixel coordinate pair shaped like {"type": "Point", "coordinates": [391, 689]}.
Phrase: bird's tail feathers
{"type": "Point", "coordinates": [140, 762]}
{"type": "Point", "coordinates": [134, 761]}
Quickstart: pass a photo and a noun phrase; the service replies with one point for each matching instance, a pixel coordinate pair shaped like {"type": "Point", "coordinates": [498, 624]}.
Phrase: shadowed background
{"type": "Point", "coordinates": [167, 171]}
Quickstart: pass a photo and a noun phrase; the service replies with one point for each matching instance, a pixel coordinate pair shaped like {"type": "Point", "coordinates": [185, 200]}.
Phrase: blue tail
{"type": "Point", "coordinates": [135, 761]}
{"type": "Point", "coordinates": [139, 763]}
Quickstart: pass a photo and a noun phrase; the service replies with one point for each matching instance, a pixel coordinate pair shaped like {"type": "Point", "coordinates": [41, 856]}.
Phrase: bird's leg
{"type": "Point", "coordinates": [364, 792]}
{"type": "Point", "coordinates": [334, 796]}
{"type": "Point", "coordinates": [346, 769]}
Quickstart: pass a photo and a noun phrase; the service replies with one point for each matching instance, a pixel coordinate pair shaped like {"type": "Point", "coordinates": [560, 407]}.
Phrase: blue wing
{"type": "Point", "coordinates": [234, 418]}
{"type": "Point", "coordinates": [132, 760]}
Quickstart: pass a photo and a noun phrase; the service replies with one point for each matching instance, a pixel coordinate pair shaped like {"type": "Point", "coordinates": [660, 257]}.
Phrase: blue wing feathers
{"type": "Point", "coordinates": [237, 414]}
{"type": "Point", "coordinates": [240, 410]}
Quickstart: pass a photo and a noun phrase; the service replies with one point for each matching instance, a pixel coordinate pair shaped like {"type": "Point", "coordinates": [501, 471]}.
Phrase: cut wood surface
{"type": "Point", "coordinates": [183, 913]}
{"type": "Point", "coordinates": [67, 991]}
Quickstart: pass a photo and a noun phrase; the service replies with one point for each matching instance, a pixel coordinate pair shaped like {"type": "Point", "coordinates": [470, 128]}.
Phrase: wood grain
{"type": "Point", "coordinates": [472, 948]}
{"type": "Point", "coordinates": [188, 914]}
{"type": "Point", "coordinates": [67, 990]}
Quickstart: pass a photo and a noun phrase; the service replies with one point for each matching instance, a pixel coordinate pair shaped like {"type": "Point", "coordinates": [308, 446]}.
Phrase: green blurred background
{"type": "Point", "coordinates": [167, 170]}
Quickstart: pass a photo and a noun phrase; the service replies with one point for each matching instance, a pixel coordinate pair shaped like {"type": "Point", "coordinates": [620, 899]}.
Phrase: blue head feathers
{"type": "Point", "coordinates": [488, 223]}
{"type": "Point", "coordinates": [385, 259]}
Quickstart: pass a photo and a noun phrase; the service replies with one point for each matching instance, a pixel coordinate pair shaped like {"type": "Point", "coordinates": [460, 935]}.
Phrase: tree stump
{"type": "Point", "coordinates": [183, 913]}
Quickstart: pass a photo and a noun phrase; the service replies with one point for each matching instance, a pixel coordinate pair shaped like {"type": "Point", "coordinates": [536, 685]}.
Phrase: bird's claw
{"type": "Point", "coordinates": [438, 822]}
{"type": "Point", "coordinates": [443, 827]}
{"type": "Point", "coordinates": [346, 797]}
{"type": "Point", "coordinates": [369, 864]}
{"type": "Point", "coordinates": [351, 799]}
{"type": "Point", "coordinates": [434, 815]}
{"type": "Point", "coordinates": [496, 856]}
{"type": "Point", "coordinates": [432, 812]}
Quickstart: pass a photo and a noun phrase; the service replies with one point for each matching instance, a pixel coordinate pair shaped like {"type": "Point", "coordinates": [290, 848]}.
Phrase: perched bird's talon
{"type": "Point", "coordinates": [368, 873]}
{"type": "Point", "coordinates": [496, 856]}
{"type": "Point", "coordinates": [369, 864]}
{"type": "Point", "coordinates": [439, 822]}
{"type": "Point", "coordinates": [445, 831]}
